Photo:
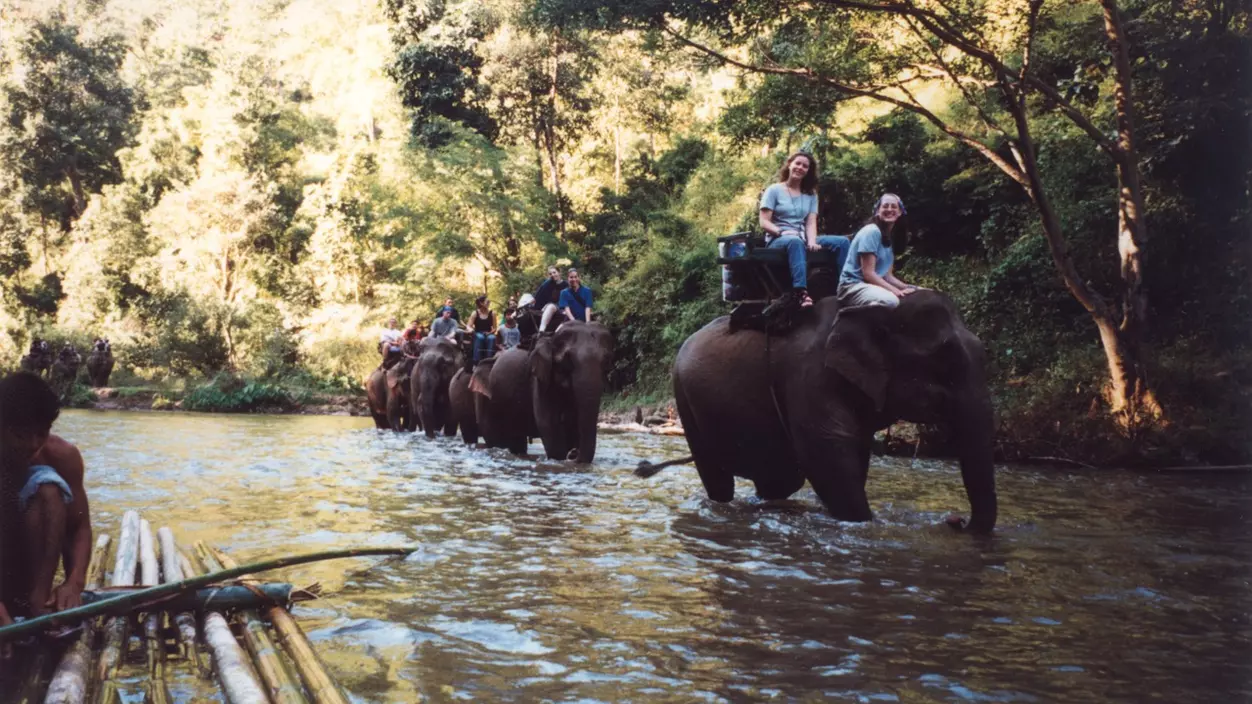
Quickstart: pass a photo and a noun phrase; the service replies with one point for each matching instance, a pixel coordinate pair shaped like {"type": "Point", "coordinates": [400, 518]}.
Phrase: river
{"type": "Point", "coordinates": [549, 582]}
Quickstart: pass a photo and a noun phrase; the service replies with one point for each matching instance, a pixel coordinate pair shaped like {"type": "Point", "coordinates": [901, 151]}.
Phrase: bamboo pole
{"type": "Point", "coordinates": [69, 681]}
{"type": "Point", "coordinates": [115, 632]}
{"type": "Point", "coordinates": [323, 689]}
{"type": "Point", "coordinates": [279, 681]}
{"type": "Point", "coordinates": [158, 689]}
{"type": "Point", "coordinates": [147, 597]}
{"type": "Point", "coordinates": [185, 621]}
{"type": "Point", "coordinates": [239, 682]}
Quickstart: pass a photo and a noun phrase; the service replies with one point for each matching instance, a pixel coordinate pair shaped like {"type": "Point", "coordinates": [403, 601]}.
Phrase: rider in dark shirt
{"type": "Point", "coordinates": [548, 296]}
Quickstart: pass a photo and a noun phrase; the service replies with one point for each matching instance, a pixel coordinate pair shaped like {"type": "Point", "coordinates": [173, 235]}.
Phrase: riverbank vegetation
{"type": "Point", "coordinates": [251, 189]}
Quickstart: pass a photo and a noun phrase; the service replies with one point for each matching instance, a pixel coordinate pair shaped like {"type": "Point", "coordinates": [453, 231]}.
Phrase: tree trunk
{"type": "Point", "coordinates": [76, 185]}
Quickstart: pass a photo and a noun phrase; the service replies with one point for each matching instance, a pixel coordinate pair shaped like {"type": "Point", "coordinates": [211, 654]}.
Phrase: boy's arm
{"type": "Point", "coordinates": [68, 462]}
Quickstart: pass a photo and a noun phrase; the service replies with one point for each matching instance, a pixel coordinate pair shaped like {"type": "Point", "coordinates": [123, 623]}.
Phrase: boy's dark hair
{"type": "Point", "coordinates": [27, 402]}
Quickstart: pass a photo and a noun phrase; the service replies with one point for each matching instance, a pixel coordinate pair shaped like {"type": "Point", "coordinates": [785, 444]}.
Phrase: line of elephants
{"type": "Point", "coordinates": [551, 391]}
{"type": "Point", "coordinates": [777, 410]}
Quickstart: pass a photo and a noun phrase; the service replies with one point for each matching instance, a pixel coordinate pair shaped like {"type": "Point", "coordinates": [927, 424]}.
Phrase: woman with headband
{"type": "Point", "coordinates": [788, 214]}
{"type": "Point", "coordinates": [867, 278]}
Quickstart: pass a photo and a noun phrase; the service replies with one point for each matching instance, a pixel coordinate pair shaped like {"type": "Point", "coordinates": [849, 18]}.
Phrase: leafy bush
{"type": "Point", "coordinates": [231, 394]}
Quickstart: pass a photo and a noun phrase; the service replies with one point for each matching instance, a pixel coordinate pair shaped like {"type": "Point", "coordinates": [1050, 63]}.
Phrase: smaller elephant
{"type": "Point", "coordinates": [100, 363]}
{"type": "Point", "coordinates": [376, 395]}
{"type": "Point", "coordinates": [65, 370]}
{"type": "Point", "coordinates": [461, 401]}
{"type": "Point", "coordinates": [501, 386]}
{"type": "Point", "coordinates": [39, 359]}
{"type": "Point", "coordinates": [400, 414]}
{"type": "Point", "coordinates": [438, 360]}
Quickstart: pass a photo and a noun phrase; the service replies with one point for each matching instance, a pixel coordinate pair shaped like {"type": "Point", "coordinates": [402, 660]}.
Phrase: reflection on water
{"type": "Point", "coordinates": [550, 582]}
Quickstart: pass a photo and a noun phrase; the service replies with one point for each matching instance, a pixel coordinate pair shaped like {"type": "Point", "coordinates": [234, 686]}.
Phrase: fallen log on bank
{"type": "Point", "coordinates": [321, 686]}
{"type": "Point", "coordinates": [150, 597]}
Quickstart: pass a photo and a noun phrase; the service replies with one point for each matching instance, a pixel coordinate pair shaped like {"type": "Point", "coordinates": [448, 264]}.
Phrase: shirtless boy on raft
{"type": "Point", "coordinates": [44, 516]}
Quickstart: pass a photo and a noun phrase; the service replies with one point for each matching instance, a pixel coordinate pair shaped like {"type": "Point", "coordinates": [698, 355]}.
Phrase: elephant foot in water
{"type": "Point", "coordinates": [572, 455]}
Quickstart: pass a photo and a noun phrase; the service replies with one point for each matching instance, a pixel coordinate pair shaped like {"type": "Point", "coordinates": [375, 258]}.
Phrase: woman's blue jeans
{"type": "Point", "coordinates": [797, 254]}
{"type": "Point", "coordinates": [484, 345]}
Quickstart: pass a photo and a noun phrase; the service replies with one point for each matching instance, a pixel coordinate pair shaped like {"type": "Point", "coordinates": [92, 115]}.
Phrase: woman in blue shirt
{"type": "Point", "coordinates": [868, 278]}
{"type": "Point", "coordinates": [789, 218]}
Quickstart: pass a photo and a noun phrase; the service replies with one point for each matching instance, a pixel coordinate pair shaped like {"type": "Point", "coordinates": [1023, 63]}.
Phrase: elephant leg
{"type": "Point", "coordinates": [381, 422]}
{"type": "Point", "coordinates": [518, 446]}
{"type": "Point", "coordinates": [777, 488]}
{"type": "Point", "coordinates": [836, 469]}
{"type": "Point", "coordinates": [469, 433]}
{"type": "Point", "coordinates": [718, 482]}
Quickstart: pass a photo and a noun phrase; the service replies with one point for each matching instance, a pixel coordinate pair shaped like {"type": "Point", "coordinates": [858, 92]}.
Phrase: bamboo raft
{"type": "Point", "coordinates": [275, 664]}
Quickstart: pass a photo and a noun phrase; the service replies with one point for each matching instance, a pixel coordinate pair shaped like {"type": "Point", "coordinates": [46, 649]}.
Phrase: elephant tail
{"type": "Point", "coordinates": [647, 469]}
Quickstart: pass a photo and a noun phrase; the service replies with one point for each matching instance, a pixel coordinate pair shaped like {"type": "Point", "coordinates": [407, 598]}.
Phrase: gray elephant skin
{"type": "Point", "coordinates": [811, 411]}
{"type": "Point", "coordinates": [438, 360]}
{"type": "Point", "coordinates": [400, 414]}
{"type": "Point", "coordinates": [461, 400]}
{"type": "Point", "coordinates": [568, 371]}
{"type": "Point", "coordinates": [502, 405]}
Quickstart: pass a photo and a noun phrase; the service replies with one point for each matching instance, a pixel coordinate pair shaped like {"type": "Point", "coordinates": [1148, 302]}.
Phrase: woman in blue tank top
{"type": "Point", "coordinates": [788, 215]}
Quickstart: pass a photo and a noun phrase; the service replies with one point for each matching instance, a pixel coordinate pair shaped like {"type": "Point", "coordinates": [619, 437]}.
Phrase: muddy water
{"type": "Point", "coordinates": [554, 583]}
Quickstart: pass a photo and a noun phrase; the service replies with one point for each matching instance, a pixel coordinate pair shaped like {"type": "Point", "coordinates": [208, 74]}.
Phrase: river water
{"type": "Point", "coordinates": [549, 582]}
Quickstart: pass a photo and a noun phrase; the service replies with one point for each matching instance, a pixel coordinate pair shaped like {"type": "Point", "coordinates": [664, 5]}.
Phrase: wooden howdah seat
{"type": "Point", "coordinates": [754, 274]}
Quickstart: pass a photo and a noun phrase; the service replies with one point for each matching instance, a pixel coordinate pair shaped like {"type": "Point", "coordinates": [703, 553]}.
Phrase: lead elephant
{"type": "Point", "coordinates": [806, 405]}
{"type": "Point", "coordinates": [501, 386]}
{"type": "Point", "coordinates": [461, 400]}
{"type": "Point", "coordinates": [438, 361]}
{"type": "Point", "coordinates": [568, 371]}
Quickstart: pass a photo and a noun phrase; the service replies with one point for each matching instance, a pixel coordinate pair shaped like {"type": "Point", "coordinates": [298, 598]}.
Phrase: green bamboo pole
{"type": "Point", "coordinates": [69, 681]}
{"type": "Point", "coordinates": [323, 689]}
{"type": "Point", "coordinates": [147, 597]}
{"type": "Point", "coordinates": [127, 559]}
{"type": "Point", "coordinates": [185, 621]}
{"type": "Point", "coordinates": [279, 681]}
{"type": "Point", "coordinates": [158, 688]}
{"type": "Point", "coordinates": [235, 675]}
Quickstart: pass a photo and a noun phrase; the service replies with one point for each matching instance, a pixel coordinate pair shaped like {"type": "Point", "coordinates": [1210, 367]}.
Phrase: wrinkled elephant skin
{"type": "Point", "coordinates": [438, 361]}
{"type": "Point", "coordinates": [568, 371]}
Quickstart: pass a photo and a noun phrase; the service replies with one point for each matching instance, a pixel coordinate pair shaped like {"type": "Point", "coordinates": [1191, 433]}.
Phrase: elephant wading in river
{"type": "Point", "coordinates": [400, 415]}
{"type": "Point", "coordinates": [501, 386]}
{"type": "Point", "coordinates": [568, 372]}
{"type": "Point", "coordinates": [438, 360]}
{"type": "Point", "coordinates": [805, 406]}
{"type": "Point", "coordinates": [461, 400]}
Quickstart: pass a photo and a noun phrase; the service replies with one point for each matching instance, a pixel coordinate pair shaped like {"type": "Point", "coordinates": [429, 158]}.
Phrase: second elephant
{"type": "Point", "coordinates": [501, 386]}
{"type": "Point", "coordinates": [438, 360]}
{"type": "Point", "coordinates": [568, 371]}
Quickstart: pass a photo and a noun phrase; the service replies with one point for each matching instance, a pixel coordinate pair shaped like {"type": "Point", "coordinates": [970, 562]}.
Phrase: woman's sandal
{"type": "Point", "coordinates": [806, 301]}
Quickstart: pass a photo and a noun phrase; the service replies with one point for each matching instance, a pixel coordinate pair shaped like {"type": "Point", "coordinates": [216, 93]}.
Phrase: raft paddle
{"type": "Point", "coordinates": [144, 597]}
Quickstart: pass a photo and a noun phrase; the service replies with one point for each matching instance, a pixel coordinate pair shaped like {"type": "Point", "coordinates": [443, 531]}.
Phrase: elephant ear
{"type": "Point", "coordinates": [541, 361]}
{"type": "Point", "coordinates": [854, 350]}
{"type": "Point", "coordinates": [480, 382]}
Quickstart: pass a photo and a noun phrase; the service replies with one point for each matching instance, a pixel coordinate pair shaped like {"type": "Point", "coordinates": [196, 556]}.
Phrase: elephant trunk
{"type": "Point", "coordinates": [588, 388]}
{"type": "Point", "coordinates": [430, 389]}
{"type": "Point", "coordinates": [977, 464]}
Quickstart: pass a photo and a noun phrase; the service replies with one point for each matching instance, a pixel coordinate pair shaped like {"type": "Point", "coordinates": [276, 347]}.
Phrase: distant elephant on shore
{"type": "Point", "coordinates": [438, 361]}
{"type": "Point", "coordinates": [65, 370]}
{"type": "Point", "coordinates": [502, 403]}
{"type": "Point", "coordinates": [39, 359]}
{"type": "Point", "coordinates": [461, 401]}
{"type": "Point", "coordinates": [805, 406]}
{"type": "Point", "coordinates": [100, 363]}
{"type": "Point", "coordinates": [568, 371]}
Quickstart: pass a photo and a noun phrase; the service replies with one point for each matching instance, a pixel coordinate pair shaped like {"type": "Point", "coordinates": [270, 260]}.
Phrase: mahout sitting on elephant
{"type": "Point", "coordinates": [39, 359]}
{"type": "Point", "coordinates": [100, 362]}
{"type": "Point", "coordinates": [438, 361]}
{"type": "Point", "coordinates": [568, 370]}
{"type": "Point", "coordinates": [782, 410]}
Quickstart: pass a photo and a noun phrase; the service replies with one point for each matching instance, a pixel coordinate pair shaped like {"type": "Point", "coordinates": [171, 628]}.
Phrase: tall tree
{"type": "Point", "coordinates": [68, 114]}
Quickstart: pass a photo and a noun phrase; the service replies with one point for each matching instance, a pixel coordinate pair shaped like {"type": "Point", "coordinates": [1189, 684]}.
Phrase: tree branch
{"type": "Point", "coordinates": [947, 69]}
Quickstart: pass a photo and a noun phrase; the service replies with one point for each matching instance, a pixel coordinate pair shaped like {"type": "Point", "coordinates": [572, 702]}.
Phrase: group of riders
{"type": "Point", "coordinates": [556, 301]}
{"type": "Point", "coordinates": [788, 216]}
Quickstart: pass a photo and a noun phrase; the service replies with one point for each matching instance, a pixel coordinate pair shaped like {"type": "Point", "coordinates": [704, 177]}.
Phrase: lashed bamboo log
{"type": "Point", "coordinates": [158, 689]}
{"type": "Point", "coordinates": [69, 681]}
{"type": "Point", "coordinates": [323, 689]}
{"type": "Point", "coordinates": [185, 620]}
{"type": "Point", "coordinates": [279, 681]}
{"type": "Point", "coordinates": [225, 598]}
{"type": "Point", "coordinates": [146, 597]}
{"type": "Point", "coordinates": [239, 682]}
{"type": "Point", "coordinates": [115, 631]}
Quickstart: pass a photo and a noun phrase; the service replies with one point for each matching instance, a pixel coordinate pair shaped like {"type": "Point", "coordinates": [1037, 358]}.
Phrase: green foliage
{"type": "Point", "coordinates": [228, 393]}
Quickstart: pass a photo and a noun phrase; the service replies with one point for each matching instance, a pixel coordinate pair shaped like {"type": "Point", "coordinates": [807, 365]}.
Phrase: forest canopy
{"type": "Point", "coordinates": [255, 187]}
